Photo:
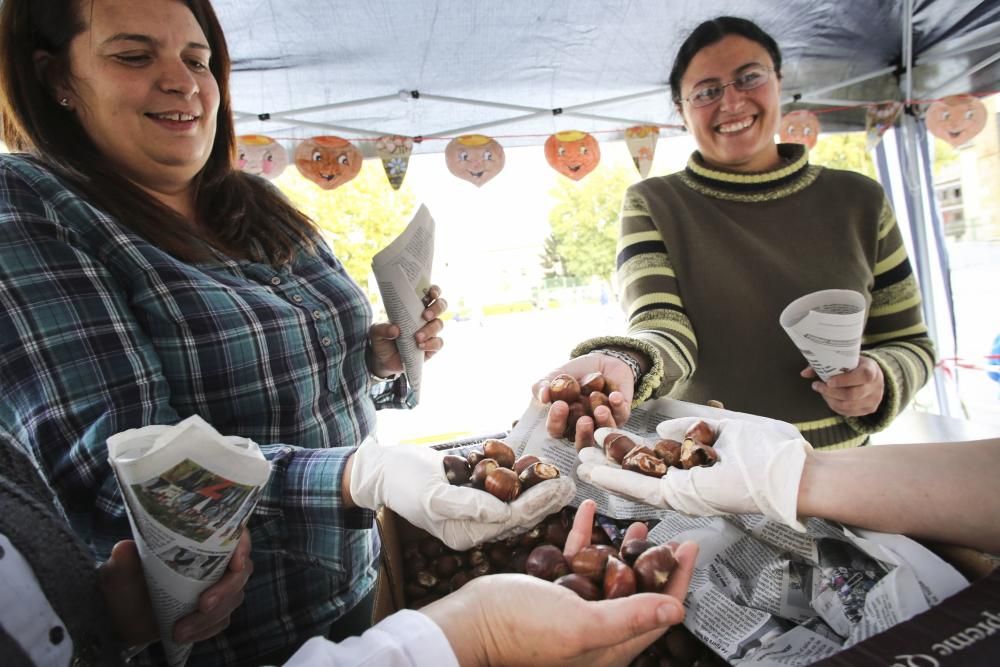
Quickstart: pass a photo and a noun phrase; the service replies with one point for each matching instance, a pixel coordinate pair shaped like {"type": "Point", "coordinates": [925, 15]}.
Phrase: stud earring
{"type": "Point", "coordinates": [64, 101]}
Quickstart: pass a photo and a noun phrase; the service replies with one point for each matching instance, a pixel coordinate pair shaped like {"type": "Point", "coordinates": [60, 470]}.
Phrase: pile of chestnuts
{"type": "Point", "coordinates": [583, 397]}
{"type": "Point", "coordinates": [432, 570]}
{"type": "Point", "coordinates": [495, 470]}
{"type": "Point", "coordinates": [696, 450]}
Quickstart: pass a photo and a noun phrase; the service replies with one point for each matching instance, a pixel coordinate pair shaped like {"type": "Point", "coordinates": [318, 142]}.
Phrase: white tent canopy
{"type": "Point", "coordinates": [522, 69]}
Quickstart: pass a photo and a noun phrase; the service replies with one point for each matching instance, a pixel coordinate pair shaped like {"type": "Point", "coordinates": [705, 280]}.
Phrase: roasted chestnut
{"type": "Point", "coordinates": [580, 585]}
{"type": "Point", "coordinates": [538, 472]}
{"type": "Point", "coordinates": [524, 462]}
{"type": "Point", "coordinates": [456, 469]}
{"type": "Point", "coordinates": [669, 451]}
{"type": "Point", "coordinates": [482, 471]}
{"type": "Point", "coordinates": [592, 382]}
{"type": "Point", "coordinates": [590, 561]}
{"type": "Point", "coordinates": [694, 453]}
{"type": "Point", "coordinates": [642, 460]}
{"type": "Point", "coordinates": [564, 388]}
{"type": "Point", "coordinates": [653, 568]}
{"type": "Point", "coordinates": [701, 432]}
{"type": "Point", "coordinates": [619, 580]}
{"type": "Point", "coordinates": [503, 483]}
{"type": "Point", "coordinates": [500, 452]}
{"type": "Point", "coordinates": [631, 549]}
{"type": "Point", "coordinates": [546, 562]}
{"type": "Point", "coordinates": [617, 445]}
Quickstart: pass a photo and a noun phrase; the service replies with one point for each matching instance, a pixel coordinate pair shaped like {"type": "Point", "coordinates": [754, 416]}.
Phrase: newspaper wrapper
{"type": "Point", "coordinates": [826, 327]}
{"type": "Point", "coordinates": [188, 492]}
{"type": "Point", "coordinates": [763, 594]}
{"type": "Point", "coordinates": [403, 272]}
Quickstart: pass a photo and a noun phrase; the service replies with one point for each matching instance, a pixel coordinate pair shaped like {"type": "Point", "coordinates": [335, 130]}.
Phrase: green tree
{"type": "Point", "coordinates": [584, 223]}
{"type": "Point", "coordinates": [358, 219]}
{"type": "Point", "coordinates": [844, 150]}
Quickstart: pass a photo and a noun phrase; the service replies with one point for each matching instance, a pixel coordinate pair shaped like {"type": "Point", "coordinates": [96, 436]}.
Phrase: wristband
{"type": "Point", "coordinates": [629, 361]}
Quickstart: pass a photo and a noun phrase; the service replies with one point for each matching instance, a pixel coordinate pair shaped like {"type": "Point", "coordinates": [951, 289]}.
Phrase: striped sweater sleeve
{"type": "Point", "coordinates": [650, 295]}
{"type": "Point", "coordinates": [895, 335]}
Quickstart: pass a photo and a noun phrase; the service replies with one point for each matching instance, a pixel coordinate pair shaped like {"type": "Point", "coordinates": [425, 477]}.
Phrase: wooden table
{"type": "Point", "coordinates": [912, 426]}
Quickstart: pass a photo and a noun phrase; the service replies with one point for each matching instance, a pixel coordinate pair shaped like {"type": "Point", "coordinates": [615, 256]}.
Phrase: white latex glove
{"type": "Point", "coordinates": [410, 480]}
{"type": "Point", "coordinates": [759, 471]}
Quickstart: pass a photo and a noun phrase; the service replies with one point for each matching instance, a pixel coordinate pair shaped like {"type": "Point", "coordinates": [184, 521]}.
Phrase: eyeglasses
{"type": "Point", "coordinates": [710, 93]}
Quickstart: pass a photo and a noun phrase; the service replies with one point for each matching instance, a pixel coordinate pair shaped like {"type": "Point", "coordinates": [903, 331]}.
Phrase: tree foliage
{"type": "Point", "coordinates": [358, 219]}
{"type": "Point", "coordinates": [584, 224]}
{"type": "Point", "coordinates": [844, 150]}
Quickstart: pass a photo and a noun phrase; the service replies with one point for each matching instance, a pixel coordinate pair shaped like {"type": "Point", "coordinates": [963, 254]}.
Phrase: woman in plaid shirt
{"type": "Point", "coordinates": [143, 280]}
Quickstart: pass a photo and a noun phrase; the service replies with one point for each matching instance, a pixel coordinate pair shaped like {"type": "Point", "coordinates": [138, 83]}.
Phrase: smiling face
{"type": "Point", "coordinates": [474, 157]}
{"type": "Point", "coordinates": [957, 118]}
{"type": "Point", "coordinates": [573, 154]}
{"type": "Point", "coordinates": [329, 162]}
{"type": "Point", "coordinates": [737, 132]}
{"type": "Point", "coordinates": [141, 87]}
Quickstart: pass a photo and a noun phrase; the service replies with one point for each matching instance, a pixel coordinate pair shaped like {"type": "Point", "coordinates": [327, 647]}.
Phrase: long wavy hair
{"type": "Point", "coordinates": [239, 214]}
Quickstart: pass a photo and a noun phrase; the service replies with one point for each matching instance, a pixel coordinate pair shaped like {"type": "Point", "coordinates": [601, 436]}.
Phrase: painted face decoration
{"type": "Point", "coordinates": [956, 118]}
{"type": "Point", "coordinates": [261, 156]}
{"type": "Point", "coordinates": [800, 127]}
{"type": "Point", "coordinates": [573, 154]}
{"type": "Point", "coordinates": [475, 158]}
{"type": "Point", "coordinates": [641, 142]}
{"type": "Point", "coordinates": [394, 151]}
{"type": "Point", "coordinates": [329, 161]}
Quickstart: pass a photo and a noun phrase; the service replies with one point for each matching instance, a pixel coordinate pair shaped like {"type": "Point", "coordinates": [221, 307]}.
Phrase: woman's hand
{"type": "Point", "coordinates": [853, 394]}
{"type": "Point", "coordinates": [385, 360]}
{"type": "Point", "coordinates": [618, 375]}
{"type": "Point", "coordinates": [127, 597]}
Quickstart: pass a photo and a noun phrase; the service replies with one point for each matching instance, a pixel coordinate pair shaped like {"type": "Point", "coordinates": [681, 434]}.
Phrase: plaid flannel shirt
{"type": "Point", "coordinates": [100, 331]}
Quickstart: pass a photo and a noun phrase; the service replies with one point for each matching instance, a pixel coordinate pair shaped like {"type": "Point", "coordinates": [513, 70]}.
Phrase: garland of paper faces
{"type": "Point", "coordinates": [261, 156]}
{"type": "Point", "coordinates": [799, 127]}
{"type": "Point", "coordinates": [394, 151]}
{"type": "Point", "coordinates": [957, 118]}
{"type": "Point", "coordinates": [475, 158]}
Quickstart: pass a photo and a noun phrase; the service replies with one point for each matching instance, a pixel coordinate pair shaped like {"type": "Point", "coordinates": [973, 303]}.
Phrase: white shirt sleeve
{"type": "Point", "coordinates": [405, 639]}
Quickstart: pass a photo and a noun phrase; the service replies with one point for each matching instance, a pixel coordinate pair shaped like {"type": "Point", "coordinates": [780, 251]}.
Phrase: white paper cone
{"type": "Point", "coordinates": [826, 326]}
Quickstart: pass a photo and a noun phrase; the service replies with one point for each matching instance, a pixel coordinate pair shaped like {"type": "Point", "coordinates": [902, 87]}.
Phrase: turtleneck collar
{"type": "Point", "coordinates": [793, 174]}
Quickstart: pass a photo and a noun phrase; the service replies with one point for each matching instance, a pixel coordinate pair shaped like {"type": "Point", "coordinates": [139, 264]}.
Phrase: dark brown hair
{"type": "Point", "coordinates": [239, 213]}
{"type": "Point", "coordinates": [712, 31]}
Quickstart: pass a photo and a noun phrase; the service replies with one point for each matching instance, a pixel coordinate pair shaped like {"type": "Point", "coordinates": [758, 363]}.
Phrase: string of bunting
{"type": "Point", "coordinates": [331, 161]}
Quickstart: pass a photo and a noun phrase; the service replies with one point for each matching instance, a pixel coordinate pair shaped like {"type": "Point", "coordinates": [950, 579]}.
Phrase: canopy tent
{"type": "Point", "coordinates": [520, 70]}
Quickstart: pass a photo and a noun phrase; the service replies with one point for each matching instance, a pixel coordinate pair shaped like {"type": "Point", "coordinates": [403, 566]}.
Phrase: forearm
{"type": "Point", "coordinates": [942, 491]}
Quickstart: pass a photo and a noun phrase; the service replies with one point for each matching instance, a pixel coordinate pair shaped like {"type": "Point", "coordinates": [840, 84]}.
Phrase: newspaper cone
{"type": "Point", "coordinates": [878, 119]}
{"type": "Point", "coordinates": [799, 127]}
{"type": "Point", "coordinates": [826, 327]}
{"type": "Point", "coordinates": [188, 492]}
{"type": "Point", "coordinates": [394, 151]}
{"type": "Point", "coordinates": [957, 118]}
{"type": "Point", "coordinates": [641, 142]}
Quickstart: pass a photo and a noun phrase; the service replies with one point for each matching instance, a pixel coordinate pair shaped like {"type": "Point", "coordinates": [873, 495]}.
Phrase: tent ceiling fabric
{"type": "Point", "coordinates": [294, 55]}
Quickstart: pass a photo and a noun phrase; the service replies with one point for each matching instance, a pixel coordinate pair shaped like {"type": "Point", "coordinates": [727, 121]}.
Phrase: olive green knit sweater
{"type": "Point", "coordinates": [708, 260]}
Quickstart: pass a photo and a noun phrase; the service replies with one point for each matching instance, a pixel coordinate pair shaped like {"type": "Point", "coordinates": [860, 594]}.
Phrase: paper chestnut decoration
{"type": "Point", "coordinates": [260, 155]}
{"type": "Point", "coordinates": [475, 158]}
{"type": "Point", "coordinates": [956, 118]}
{"type": "Point", "coordinates": [573, 154]}
{"type": "Point", "coordinates": [800, 127]}
{"type": "Point", "coordinates": [328, 161]}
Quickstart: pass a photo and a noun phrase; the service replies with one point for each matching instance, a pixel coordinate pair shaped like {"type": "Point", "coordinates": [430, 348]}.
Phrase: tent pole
{"type": "Point", "coordinates": [908, 51]}
{"type": "Point", "coordinates": [320, 126]}
{"type": "Point", "coordinates": [940, 52]}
